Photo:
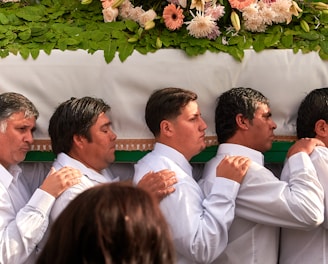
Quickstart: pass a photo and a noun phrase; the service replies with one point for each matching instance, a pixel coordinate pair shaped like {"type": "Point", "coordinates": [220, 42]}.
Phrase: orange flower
{"type": "Point", "coordinates": [173, 17]}
{"type": "Point", "coordinates": [240, 4]}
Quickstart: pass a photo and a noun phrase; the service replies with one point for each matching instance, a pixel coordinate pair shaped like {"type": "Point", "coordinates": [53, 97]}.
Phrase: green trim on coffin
{"type": "Point", "coordinates": [277, 154]}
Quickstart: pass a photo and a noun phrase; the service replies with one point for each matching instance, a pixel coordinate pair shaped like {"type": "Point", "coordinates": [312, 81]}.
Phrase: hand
{"type": "Point", "coordinates": [160, 184]}
{"type": "Point", "coordinates": [58, 181]}
{"type": "Point", "coordinates": [304, 145]}
{"type": "Point", "coordinates": [233, 168]}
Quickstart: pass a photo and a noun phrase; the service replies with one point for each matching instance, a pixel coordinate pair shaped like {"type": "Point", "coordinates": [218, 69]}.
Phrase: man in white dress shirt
{"type": "Point", "coordinates": [298, 246]}
{"type": "Point", "coordinates": [82, 137]}
{"type": "Point", "coordinates": [199, 225]}
{"type": "Point", "coordinates": [25, 198]}
{"type": "Point", "coordinates": [264, 203]}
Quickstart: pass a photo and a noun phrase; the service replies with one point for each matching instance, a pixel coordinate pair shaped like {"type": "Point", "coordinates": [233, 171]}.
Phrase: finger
{"type": "Point", "coordinates": [167, 175]}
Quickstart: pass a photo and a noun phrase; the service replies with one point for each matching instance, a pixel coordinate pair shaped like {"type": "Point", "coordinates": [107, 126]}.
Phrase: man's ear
{"type": "Point", "coordinates": [79, 140]}
{"type": "Point", "coordinates": [321, 128]}
{"type": "Point", "coordinates": [242, 122]}
{"type": "Point", "coordinates": [166, 128]}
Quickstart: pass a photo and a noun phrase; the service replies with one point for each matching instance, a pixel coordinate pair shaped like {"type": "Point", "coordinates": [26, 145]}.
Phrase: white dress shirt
{"type": "Point", "coordinates": [264, 203]}
{"type": "Point", "coordinates": [24, 214]}
{"type": "Point", "coordinates": [303, 247]}
{"type": "Point", "coordinates": [89, 179]}
{"type": "Point", "coordinates": [199, 225]}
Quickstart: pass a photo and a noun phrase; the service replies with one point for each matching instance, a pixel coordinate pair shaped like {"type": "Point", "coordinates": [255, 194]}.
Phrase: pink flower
{"type": "Point", "coordinates": [240, 4]}
{"type": "Point", "coordinates": [110, 14]}
{"type": "Point", "coordinates": [216, 12]}
{"type": "Point", "coordinates": [173, 17]}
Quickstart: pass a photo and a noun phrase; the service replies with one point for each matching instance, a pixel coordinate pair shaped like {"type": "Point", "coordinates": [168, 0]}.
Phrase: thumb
{"type": "Point", "coordinates": [52, 170]}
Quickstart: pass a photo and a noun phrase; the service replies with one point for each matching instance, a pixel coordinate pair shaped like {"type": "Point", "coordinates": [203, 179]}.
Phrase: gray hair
{"type": "Point", "coordinates": [11, 103]}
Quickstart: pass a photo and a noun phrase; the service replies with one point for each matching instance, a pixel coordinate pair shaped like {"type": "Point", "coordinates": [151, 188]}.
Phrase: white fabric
{"type": "Point", "coordinates": [89, 179]}
{"type": "Point", "coordinates": [264, 203]}
{"type": "Point", "coordinates": [303, 247]}
{"type": "Point", "coordinates": [24, 212]}
{"type": "Point", "coordinates": [199, 225]}
{"type": "Point", "coordinates": [284, 77]}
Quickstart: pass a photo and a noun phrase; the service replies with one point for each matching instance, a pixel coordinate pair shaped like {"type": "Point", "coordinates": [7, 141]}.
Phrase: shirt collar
{"type": "Point", "coordinates": [175, 156]}
{"type": "Point", "coordinates": [7, 177]}
{"type": "Point", "coordinates": [239, 150]}
{"type": "Point", "coordinates": [65, 160]}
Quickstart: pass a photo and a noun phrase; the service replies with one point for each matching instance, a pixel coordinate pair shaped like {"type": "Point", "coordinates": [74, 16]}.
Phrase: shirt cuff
{"type": "Point", "coordinates": [42, 200]}
{"type": "Point", "coordinates": [226, 187]}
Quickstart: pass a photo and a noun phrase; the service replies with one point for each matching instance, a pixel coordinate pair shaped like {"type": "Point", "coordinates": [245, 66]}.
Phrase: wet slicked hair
{"type": "Point", "coordinates": [74, 117]}
{"type": "Point", "coordinates": [232, 102]}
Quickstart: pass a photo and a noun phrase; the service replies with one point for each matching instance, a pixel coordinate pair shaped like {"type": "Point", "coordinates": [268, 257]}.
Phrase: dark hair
{"type": "Point", "coordinates": [11, 103]}
{"type": "Point", "coordinates": [313, 108]}
{"type": "Point", "coordinates": [110, 223]}
{"type": "Point", "coordinates": [74, 117]}
{"type": "Point", "coordinates": [232, 102]}
{"type": "Point", "coordinates": [165, 104]}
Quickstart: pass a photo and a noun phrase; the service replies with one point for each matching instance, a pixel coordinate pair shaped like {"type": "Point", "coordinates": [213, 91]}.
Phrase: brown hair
{"type": "Point", "coordinates": [110, 223]}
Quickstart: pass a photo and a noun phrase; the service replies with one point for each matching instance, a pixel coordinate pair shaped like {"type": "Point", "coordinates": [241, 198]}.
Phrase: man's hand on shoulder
{"type": "Point", "coordinates": [160, 184]}
{"type": "Point", "coordinates": [233, 168]}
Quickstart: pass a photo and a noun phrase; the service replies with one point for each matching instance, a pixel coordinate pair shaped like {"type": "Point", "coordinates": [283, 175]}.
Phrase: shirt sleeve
{"type": "Point", "coordinates": [319, 158]}
{"type": "Point", "coordinates": [67, 196]}
{"type": "Point", "coordinates": [20, 233]}
{"type": "Point", "coordinates": [296, 202]}
{"type": "Point", "coordinates": [199, 225]}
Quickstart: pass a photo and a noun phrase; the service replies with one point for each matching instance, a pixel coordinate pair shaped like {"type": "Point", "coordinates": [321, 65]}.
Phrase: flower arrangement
{"type": "Point", "coordinates": [194, 26]}
{"type": "Point", "coordinates": [202, 17]}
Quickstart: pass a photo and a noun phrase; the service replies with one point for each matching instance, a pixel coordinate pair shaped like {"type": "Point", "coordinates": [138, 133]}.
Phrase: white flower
{"type": "Point", "coordinates": [146, 17]}
{"type": "Point", "coordinates": [183, 3]}
{"type": "Point", "coordinates": [110, 14]}
{"type": "Point", "coordinates": [201, 26]}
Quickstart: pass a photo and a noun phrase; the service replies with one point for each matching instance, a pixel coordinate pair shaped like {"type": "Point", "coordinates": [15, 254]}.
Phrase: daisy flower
{"type": "Point", "coordinates": [201, 26]}
{"type": "Point", "coordinates": [173, 17]}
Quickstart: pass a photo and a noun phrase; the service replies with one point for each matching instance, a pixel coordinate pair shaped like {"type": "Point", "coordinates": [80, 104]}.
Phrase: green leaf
{"type": "Point", "coordinates": [125, 49]}
{"type": "Point", "coordinates": [258, 43]}
{"type": "Point", "coordinates": [236, 53]}
{"type": "Point", "coordinates": [24, 53]}
{"type": "Point", "coordinates": [4, 29]}
{"type": "Point", "coordinates": [31, 13]}
{"type": "Point", "coordinates": [35, 53]}
{"type": "Point", "coordinates": [25, 35]}
{"type": "Point", "coordinates": [324, 46]}
{"type": "Point", "coordinates": [3, 19]}
{"type": "Point", "coordinates": [312, 35]}
{"type": "Point", "coordinates": [110, 51]}
{"type": "Point", "coordinates": [131, 25]}
{"type": "Point", "coordinates": [4, 53]}
{"type": "Point", "coordinates": [97, 35]}
{"type": "Point", "coordinates": [48, 47]}
{"type": "Point", "coordinates": [72, 31]}
{"type": "Point", "coordinates": [287, 41]}
{"type": "Point", "coordinates": [323, 55]}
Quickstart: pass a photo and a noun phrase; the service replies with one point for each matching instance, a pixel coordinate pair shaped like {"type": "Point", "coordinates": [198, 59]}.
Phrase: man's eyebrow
{"type": "Point", "coordinates": [107, 124]}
